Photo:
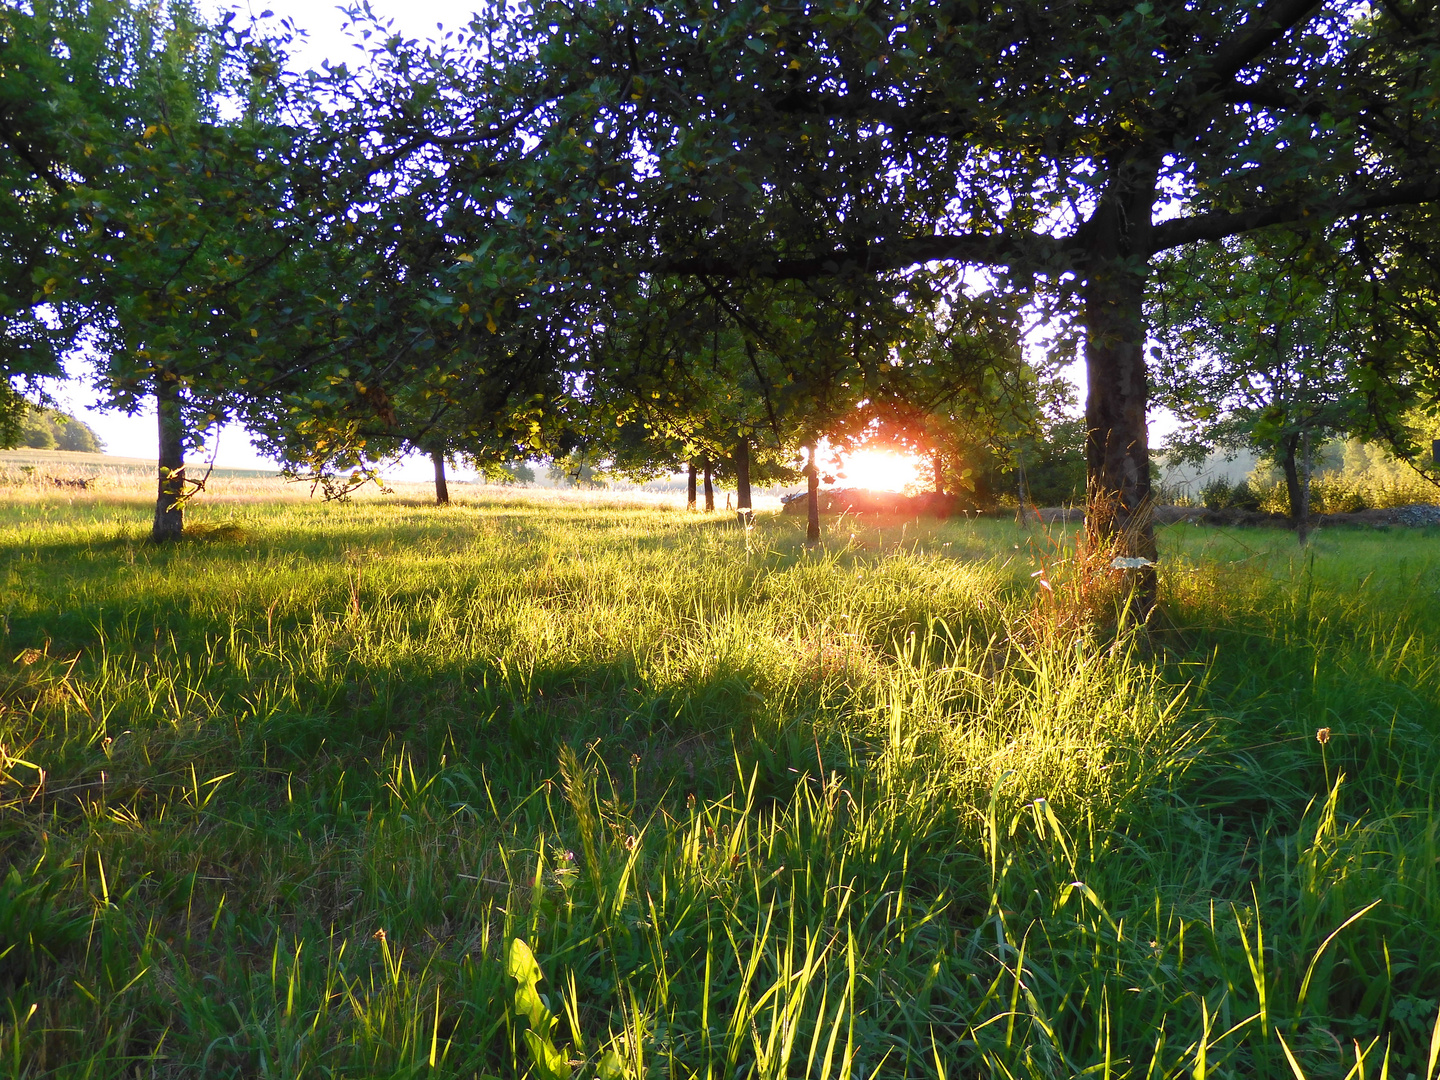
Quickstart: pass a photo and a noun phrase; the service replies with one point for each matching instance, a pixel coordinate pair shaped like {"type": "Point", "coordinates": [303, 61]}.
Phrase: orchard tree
{"type": "Point", "coordinates": [1264, 343]}
{"type": "Point", "coordinates": [66, 85]}
{"type": "Point", "coordinates": [162, 212]}
{"type": "Point", "coordinates": [803, 142]}
{"type": "Point", "coordinates": [1398, 370]}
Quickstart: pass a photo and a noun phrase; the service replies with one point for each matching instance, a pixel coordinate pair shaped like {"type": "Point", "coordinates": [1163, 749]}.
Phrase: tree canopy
{"type": "Point", "coordinates": [467, 227]}
{"type": "Point", "coordinates": [1060, 147]}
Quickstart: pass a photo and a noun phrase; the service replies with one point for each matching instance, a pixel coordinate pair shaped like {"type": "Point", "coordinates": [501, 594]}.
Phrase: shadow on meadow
{"type": "Point", "coordinates": [300, 803]}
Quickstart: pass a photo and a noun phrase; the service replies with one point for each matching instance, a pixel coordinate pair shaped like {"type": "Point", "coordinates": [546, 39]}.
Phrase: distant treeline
{"type": "Point", "coordinates": [50, 429]}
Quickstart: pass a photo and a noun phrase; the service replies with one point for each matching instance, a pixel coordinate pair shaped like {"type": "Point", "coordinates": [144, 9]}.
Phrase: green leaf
{"type": "Point", "coordinates": [550, 1063]}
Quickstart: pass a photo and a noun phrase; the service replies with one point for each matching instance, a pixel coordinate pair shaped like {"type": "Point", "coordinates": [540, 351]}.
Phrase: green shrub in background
{"type": "Point", "coordinates": [1354, 476]}
{"type": "Point", "coordinates": [1339, 493]}
{"type": "Point", "coordinates": [50, 429]}
{"type": "Point", "coordinates": [1220, 494]}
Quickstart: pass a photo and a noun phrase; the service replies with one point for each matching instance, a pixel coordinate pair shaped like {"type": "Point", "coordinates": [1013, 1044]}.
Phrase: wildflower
{"type": "Point", "coordinates": [1322, 736]}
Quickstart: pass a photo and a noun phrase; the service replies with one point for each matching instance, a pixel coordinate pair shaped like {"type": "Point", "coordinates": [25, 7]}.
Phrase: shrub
{"type": "Point", "coordinates": [1337, 493]}
{"type": "Point", "coordinates": [1217, 494]}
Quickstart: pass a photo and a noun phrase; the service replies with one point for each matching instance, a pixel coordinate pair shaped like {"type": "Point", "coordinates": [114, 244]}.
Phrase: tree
{"type": "Point", "coordinates": [819, 143]}
{"type": "Point", "coordinates": [1263, 340]}
{"type": "Point", "coordinates": [148, 189]}
{"type": "Point", "coordinates": [50, 429]}
{"type": "Point", "coordinates": [39, 88]}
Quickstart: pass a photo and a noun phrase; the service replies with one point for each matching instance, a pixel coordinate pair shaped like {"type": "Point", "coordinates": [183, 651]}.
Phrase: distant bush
{"type": "Point", "coordinates": [1338, 493]}
{"type": "Point", "coordinates": [1363, 477]}
{"type": "Point", "coordinates": [1220, 494]}
{"type": "Point", "coordinates": [1216, 494]}
{"type": "Point", "coordinates": [50, 429]}
{"type": "Point", "coordinates": [36, 432]}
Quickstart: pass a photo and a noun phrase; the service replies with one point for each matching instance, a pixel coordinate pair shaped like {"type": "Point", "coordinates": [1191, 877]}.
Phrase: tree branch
{"type": "Point", "coordinates": [1191, 230]}
{"type": "Point", "coordinates": [1026, 250]}
{"type": "Point", "coordinates": [1252, 41]}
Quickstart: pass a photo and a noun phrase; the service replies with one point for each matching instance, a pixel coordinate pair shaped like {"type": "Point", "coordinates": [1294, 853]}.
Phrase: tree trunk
{"type": "Point", "coordinates": [939, 474]}
{"type": "Point", "coordinates": [169, 509]}
{"type": "Point", "coordinates": [812, 498]}
{"type": "Point", "coordinates": [442, 490]}
{"type": "Point", "coordinates": [742, 481]}
{"type": "Point", "coordinates": [1305, 491]}
{"type": "Point", "coordinates": [1117, 451]}
{"type": "Point", "coordinates": [709, 487]}
{"type": "Point", "coordinates": [1295, 486]}
{"type": "Point", "coordinates": [690, 488]}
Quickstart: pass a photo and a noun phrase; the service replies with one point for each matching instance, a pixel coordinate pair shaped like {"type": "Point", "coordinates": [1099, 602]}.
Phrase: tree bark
{"type": "Point", "coordinates": [709, 487]}
{"type": "Point", "coordinates": [812, 498]}
{"type": "Point", "coordinates": [1296, 486]}
{"type": "Point", "coordinates": [1117, 451]}
{"type": "Point", "coordinates": [442, 490]}
{"type": "Point", "coordinates": [742, 481]}
{"type": "Point", "coordinates": [939, 473]}
{"type": "Point", "coordinates": [1305, 491]}
{"type": "Point", "coordinates": [169, 509]}
{"type": "Point", "coordinates": [690, 488]}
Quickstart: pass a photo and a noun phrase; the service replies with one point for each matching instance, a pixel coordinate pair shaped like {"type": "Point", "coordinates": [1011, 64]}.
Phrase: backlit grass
{"type": "Point", "coordinates": [280, 799]}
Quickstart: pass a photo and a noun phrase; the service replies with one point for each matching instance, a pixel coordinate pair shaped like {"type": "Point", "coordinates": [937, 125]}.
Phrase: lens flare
{"type": "Point", "coordinates": [879, 470]}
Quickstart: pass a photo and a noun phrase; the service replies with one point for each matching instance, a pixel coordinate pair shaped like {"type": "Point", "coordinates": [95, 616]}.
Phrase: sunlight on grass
{"type": "Point", "coordinates": [281, 799]}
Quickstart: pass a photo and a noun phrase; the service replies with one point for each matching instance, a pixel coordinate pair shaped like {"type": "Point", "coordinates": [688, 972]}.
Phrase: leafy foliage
{"type": "Point", "coordinates": [49, 429]}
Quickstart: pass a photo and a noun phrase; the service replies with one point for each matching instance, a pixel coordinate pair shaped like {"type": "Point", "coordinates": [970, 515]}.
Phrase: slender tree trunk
{"type": "Point", "coordinates": [742, 481]}
{"type": "Point", "coordinates": [1295, 486]}
{"type": "Point", "coordinates": [690, 488]}
{"type": "Point", "coordinates": [1305, 492]}
{"type": "Point", "coordinates": [1117, 450]}
{"type": "Point", "coordinates": [709, 487]}
{"type": "Point", "coordinates": [169, 510]}
{"type": "Point", "coordinates": [812, 498]}
{"type": "Point", "coordinates": [939, 473]}
{"type": "Point", "coordinates": [442, 490]}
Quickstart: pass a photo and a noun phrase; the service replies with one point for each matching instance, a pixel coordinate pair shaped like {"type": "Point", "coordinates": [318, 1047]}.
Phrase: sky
{"type": "Point", "coordinates": [135, 435]}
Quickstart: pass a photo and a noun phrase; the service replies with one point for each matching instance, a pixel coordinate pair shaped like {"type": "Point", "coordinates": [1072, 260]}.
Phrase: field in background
{"type": "Point", "coordinates": [53, 475]}
{"type": "Point", "coordinates": [280, 799]}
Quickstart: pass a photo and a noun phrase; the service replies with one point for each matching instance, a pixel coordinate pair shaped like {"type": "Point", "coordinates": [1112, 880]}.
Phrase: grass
{"type": "Point", "coordinates": [280, 800]}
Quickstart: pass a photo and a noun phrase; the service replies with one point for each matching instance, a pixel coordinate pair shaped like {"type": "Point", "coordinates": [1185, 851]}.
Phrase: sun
{"type": "Point", "coordinates": [879, 470]}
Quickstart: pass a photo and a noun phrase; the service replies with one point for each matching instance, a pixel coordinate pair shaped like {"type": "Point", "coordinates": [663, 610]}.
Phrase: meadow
{"type": "Point", "coordinates": [559, 788]}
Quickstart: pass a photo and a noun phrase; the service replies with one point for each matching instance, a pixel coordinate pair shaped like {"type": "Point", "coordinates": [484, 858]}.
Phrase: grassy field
{"type": "Point", "coordinates": [281, 800]}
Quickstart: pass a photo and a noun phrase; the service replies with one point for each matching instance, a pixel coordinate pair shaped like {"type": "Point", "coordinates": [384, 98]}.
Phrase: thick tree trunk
{"type": "Point", "coordinates": [812, 498]}
{"type": "Point", "coordinates": [442, 490]}
{"type": "Point", "coordinates": [709, 488]}
{"type": "Point", "coordinates": [742, 481]}
{"type": "Point", "coordinates": [1117, 451]}
{"type": "Point", "coordinates": [939, 473]}
{"type": "Point", "coordinates": [169, 509]}
{"type": "Point", "coordinates": [690, 488]}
